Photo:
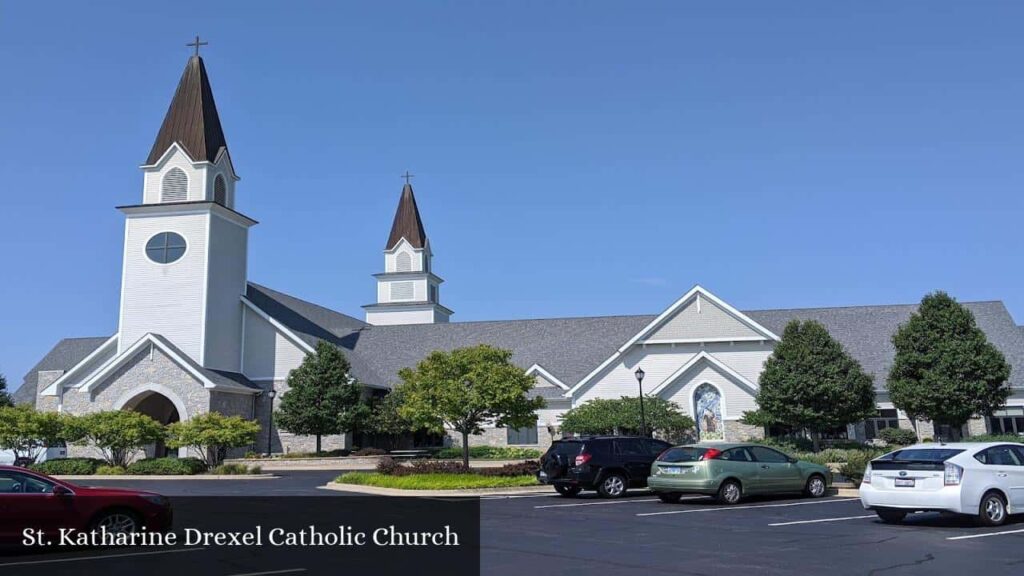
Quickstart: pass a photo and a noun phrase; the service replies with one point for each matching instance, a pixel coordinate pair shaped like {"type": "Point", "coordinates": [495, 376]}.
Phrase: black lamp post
{"type": "Point", "coordinates": [270, 423]}
{"type": "Point", "coordinates": [640, 380]}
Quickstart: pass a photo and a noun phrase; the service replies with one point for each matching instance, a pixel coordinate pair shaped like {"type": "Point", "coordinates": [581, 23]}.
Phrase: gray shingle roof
{"type": "Point", "coordinates": [866, 332]}
{"type": "Point", "coordinates": [62, 356]}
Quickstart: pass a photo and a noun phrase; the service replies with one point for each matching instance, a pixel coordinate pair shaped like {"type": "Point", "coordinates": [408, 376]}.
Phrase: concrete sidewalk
{"type": "Point", "coordinates": [347, 464]}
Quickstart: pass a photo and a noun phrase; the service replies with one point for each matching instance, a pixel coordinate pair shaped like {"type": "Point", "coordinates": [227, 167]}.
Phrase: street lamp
{"type": "Point", "coordinates": [640, 380]}
{"type": "Point", "coordinates": [270, 424]}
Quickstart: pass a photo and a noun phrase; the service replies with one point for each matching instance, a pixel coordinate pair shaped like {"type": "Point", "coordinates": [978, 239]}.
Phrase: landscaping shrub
{"type": "Point", "coordinates": [369, 452]}
{"type": "Point", "coordinates": [898, 436]}
{"type": "Point", "coordinates": [388, 466]}
{"type": "Point", "coordinates": [855, 464]}
{"type": "Point", "coordinates": [68, 466]}
{"type": "Point", "coordinates": [110, 470]}
{"type": "Point", "coordinates": [996, 438]}
{"type": "Point", "coordinates": [327, 454]}
{"type": "Point", "coordinates": [167, 466]}
{"type": "Point", "coordinates": [490, 453]}
{"type": "Point", "coordinates": [235, 469]}
{"type": "Point", "coordinates": [528, 468]}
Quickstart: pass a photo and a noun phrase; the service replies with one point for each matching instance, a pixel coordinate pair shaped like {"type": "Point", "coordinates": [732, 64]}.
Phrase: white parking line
{"type": "Point", "coordinates": [289, 571]}
{"type": "Point", "coordinates": [822, 520]}
{"type": "Point", "coordinates": [721, 508]}
{"type": "Point", "coordinates": [597, 503]}
{"type": "Point", "coordinates": [1003, 533]}
{"type": "Point", "coordinates": [82, 558]}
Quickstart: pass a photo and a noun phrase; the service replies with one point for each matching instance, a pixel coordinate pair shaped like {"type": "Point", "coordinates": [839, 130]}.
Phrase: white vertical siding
{"type": "Point", "coordinates": [268, 353]}
{"type": "Point", "coordinates": [225, 284]}
{"type": "Point", "coordinates": [167, 299]}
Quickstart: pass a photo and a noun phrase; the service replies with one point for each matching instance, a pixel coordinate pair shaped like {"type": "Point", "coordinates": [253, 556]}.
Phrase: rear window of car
{"type": "Point", "coordinates": [683, 454]}
{"type": "Point", "coordinates": [566, 448]}
{"type": "Point", "coordinates": [915, 459]}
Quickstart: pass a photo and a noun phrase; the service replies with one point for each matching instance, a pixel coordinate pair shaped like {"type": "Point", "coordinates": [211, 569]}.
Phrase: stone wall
{"type": "Point", "coordinates": [499, 437]}
{"type": "Point", "coordinates": [736, 431]}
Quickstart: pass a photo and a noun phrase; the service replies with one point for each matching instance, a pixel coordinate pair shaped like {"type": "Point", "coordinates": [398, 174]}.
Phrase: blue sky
{"type": "Point", "coordinates": [572, 158]}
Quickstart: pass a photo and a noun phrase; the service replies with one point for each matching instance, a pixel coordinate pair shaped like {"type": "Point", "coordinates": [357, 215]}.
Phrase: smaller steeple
{"type": "Point", "coordinates": [407, 222]}
{"type": "Point", "coordinates": [192, 120]}
{"type": "Point", "coordinates": [408, 291]}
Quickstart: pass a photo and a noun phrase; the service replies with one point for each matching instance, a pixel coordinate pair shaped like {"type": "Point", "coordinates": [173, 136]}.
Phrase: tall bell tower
{"type": "Point", "coordinates": [408, 291]}
{"type": "Point", "coordinates": [185, 245]}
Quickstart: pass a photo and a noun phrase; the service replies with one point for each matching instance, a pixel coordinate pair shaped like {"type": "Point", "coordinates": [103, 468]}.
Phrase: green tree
{"type": "Point", "coordinates": [945, 368]}
{"type": "Point", "coordinates": [322, 398]}
{"type": "Point", "coordinates": [810, 382]}
{"type": "Point", "coordinates": [26, 432]}
{"type": "Point", "coordinates": [5, 396]}
{"type": "Point", "coordinates": [118, 433]}
{"type": "Point", "coordinates": [466, 388]}
{"type": "Point", "coordinates": [622, 416]}
{"type": "Point", "coordinates": [212, 434]}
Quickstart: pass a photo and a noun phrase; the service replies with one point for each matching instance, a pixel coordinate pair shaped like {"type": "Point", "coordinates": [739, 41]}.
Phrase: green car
{"type": "Point", "coordinates": [731, 471]}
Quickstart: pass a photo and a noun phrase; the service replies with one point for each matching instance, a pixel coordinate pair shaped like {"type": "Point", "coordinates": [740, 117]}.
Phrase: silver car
{"type": "Point", "coordinates": [980, 479]}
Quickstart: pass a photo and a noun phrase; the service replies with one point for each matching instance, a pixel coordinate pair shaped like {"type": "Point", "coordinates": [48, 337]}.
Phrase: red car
{"type": "Point", "coordinates": [32, 500]}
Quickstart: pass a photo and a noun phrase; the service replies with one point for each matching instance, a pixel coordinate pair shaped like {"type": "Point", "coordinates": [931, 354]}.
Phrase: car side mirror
{"type": "Point", "coordinates": [792, 460]}
{"type": "Point", "coordinates": [61, 491]}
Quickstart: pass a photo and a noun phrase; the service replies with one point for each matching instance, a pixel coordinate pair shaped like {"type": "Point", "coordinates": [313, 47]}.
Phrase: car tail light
{"type": "Point", "coordinates": [867, 475]}
{"type": "Point", "coordinates": [954, 474]}
{"type": "Point", "coordinates": [711, 454]}
{"type": "Point", "coordinates": [583, 459]}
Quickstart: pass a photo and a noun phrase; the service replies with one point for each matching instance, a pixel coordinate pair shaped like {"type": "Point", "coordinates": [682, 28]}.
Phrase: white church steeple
{"type": "Point", "coordinates": [408, 292]}
{"type": "Point", "coordinates": [185, 251]}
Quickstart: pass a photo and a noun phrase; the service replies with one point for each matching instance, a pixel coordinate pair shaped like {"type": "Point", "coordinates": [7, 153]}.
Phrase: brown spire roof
{"type": "Point", "coordinates": [192, 119]}
{"type": "Point", "coordinates": [407, 222]}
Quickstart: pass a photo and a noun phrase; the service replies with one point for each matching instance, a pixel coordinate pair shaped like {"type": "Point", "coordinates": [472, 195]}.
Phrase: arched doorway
{"type": "Point", "coordinates": [159, 408]}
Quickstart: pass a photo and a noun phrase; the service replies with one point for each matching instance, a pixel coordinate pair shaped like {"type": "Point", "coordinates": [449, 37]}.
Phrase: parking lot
{"type": "Point", "coordinates": [542, 534]}
{"type": "Point", "coordinates": [638, 534]}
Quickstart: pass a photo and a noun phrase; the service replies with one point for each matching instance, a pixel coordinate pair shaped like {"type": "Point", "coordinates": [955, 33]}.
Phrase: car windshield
{"type": "Point", "coordinates": [922, 455]}
{"type": "Point", "coordinates": [683, 454]}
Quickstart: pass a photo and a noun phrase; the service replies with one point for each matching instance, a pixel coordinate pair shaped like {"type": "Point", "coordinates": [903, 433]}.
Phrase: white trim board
{"type": "Point", "coordinates": [704, 357]}
{"type": "Point", "coordinates": [538, 369]}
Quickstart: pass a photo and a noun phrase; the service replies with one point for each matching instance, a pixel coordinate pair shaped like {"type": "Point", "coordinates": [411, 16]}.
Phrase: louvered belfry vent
{"type": "Point", "coordinates": [220, 190]}
{"type": "Point", "coordinates": [174, 187]}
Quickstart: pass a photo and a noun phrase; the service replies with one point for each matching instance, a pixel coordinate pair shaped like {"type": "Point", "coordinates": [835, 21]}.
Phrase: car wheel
{"type": "Point", "coordinates": [815, 487]}
{"type": "Point", "coordinates": [992, 511]}
{"type": "Point", "coordinates": [568, 491]}
{"type": "Point", "coordinates": [890, 516]}
{"type": "Point", "coordinates": [729, 492]}
{"type": "Point", "coordinates": [669, 497]}
{"type": "Point", "coordinates": [612, 486]}
{"type": "Point", "coordinates": [116, 522]}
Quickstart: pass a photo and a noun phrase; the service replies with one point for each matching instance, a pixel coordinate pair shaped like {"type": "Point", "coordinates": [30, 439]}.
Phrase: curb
{"type": "Point", "coordinates": [378, 491]}
{"type": "Point", "coordinates": [169, 477]}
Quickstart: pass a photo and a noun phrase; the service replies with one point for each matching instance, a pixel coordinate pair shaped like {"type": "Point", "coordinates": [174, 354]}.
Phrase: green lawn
{"type": "Point", "coordinates": [435, 481]}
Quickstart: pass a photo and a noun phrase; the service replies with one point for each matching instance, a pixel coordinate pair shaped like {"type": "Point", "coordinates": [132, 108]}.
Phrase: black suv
{"type": "Point", "coordinates": [608, 464]}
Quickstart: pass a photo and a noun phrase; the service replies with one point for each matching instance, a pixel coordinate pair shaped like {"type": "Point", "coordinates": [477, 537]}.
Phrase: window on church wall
{"type": "Point", "coordinates": [707, 401]}
{"type": "Point", "coordinates": [220, 190]}
{"type": "Point", "coordinates": [401, 291]}
{"type": "Point", "coordinates": [165, 247]}
{"type": "Point", "coordinates": [174, 187]}
{"type": "Point", "coordinates": [403, 262]}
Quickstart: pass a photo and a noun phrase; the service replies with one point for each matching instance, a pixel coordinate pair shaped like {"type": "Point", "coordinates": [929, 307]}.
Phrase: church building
{"type": "Point", "coordinates": [196, 335]}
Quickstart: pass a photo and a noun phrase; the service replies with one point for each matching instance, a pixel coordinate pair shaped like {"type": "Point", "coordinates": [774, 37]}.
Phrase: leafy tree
{"type": "Point", "coordinates": [385, 415]}
{"type": "Point", "coordinates": [945, 368]}
{"type": "Point", "coordinates": [211, 435]}
{"type": "Point", "coordinates": [622, 416]}
{"type": "Point", "coordinates": [322, 398]}
{"type": "Point", "coordinates": [27, 432]}
{"type": "Point", "coordinates": [5, 396]}
{"type": "Point", "coordinates": [118, 433]}
{"type": "Point", "coordinates": [466, 388]}
{"type": "Point", "coordinates": [810, 382]}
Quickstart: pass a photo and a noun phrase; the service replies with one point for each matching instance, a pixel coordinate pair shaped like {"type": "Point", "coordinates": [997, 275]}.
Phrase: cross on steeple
{"type": "Point", "coordinates": [408, 176]}
{"type": "Point", "coordinates": [197, 44]}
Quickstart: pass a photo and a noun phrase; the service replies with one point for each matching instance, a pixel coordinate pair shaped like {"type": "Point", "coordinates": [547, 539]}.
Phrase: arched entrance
{"type": "Point", "coordinates": [159, 407]}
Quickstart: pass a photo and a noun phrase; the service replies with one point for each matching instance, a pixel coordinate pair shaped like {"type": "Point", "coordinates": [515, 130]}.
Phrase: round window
{"type": "Point", "coordinates": [165, 247]}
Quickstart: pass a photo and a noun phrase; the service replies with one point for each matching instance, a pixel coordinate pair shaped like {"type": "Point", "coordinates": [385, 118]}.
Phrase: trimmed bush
{"type": "Point", "coordinates": [110, 470]}
{"type": "Point", "coordinates": [855, 464]}
{"type": "Point", "coordinates": [167, 466]}
{"type": "Point", "coordinates": [68, 466]}
{"type": "Point", "coordinates": [327, 454]}
{"type": "Point", "coordinates": [388, 466]}
{"type": "Point", "coordinates": [528, 468]}
{"type": "Point", "coordinates": [391, 467]}
{"type": "Point", "coordinates": [898, 436]}
{"type": "Point", "coordinates": [235, 469]}
{"type": "Point", "coordinates": [996, 438]}
{"type": "Point", "coordinates": [369, 452]}
{"type": "Point", "coordinates": [490, 453]}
